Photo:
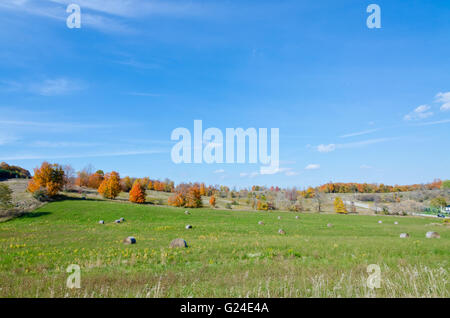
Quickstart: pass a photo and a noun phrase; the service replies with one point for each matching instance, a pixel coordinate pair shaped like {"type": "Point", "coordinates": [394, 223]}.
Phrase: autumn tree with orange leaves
{"type": "Point", "coordinates": [49, 177]}
{"type": "Point", "coordinates": [95, 180]}
{"type": "Point", "coordinates": [176, 200]}
{"type": "Point", "coordinates": [193, 198]}
{"type": "Point", "coordinates": [212, 201]}
{"type": "Point", "coordinates": [110, 186]}
{"type": "Point", "coordinates": [137, 193]}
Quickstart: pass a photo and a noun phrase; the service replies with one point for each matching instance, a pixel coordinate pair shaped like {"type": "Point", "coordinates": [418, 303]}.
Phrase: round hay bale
{"type": "Point", "coordinates": [129, 240]}
{"type": "Point", "coordinates": [187, 212]}
{"type": "Point", "coordinates": [281, 232]}
{"type": "Point", "coordinates": [101, 222]}
{"type": "Point", "coordinates": [395, 222]}
{"type": "Point", "coordinates": [432, 235]}
{"type": "Point", "coordinates": [404, 235]}
{"type": "Point", "coordinates": [117, 221]}
{"type": "Point", "coordinates": [379, 222]}
{"type": "Point", "coordinates": [188, 227]}
{"type": "Point", "coordinates": [279, 217]}
{"type": "Point", "coordinates": [179, 242]}
{"type": "Point", "coordinates": [296, 217]}
{"type": "Point", "coordinates": [330, 225]}
{"type": "Point", "coordinates": [261, 223]}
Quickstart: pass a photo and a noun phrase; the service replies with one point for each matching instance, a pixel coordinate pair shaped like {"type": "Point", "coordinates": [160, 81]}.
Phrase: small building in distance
{"type": "Point", "coordinates": [446, 209]}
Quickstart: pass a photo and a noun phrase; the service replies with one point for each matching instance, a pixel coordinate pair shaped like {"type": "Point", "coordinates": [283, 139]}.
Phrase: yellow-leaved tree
{"type": "Point", "coordinates": [110, 186]}
{"type": "Point", "coordinates": [339, 205]}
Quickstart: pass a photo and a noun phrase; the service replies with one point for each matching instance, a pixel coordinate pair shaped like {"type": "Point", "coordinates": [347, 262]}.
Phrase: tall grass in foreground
{"type": "Point", "coordinates": [230, 255]}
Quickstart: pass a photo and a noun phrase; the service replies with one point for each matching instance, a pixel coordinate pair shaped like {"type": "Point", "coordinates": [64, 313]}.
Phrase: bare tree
{"type": "Point", "coordinates": [376, 202]}
{"type": "Point", "coordinates": [319, 198]}
{"type": "Point", "coordinates": [69, 177]}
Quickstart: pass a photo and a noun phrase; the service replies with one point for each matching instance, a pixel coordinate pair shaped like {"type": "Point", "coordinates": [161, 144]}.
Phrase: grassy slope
{"type": "Point", "coordinates": [229, 253]}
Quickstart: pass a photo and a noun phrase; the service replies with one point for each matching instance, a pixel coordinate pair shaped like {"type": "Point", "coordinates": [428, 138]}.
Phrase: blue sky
{"type": "Point", "coordinates": [352, 103]}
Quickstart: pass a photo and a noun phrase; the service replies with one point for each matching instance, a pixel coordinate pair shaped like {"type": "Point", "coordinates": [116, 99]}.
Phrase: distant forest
{"type": "Point", "coordinates": [12, 172]}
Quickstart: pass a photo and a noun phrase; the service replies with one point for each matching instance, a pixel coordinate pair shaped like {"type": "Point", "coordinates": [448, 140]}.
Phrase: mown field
{"type": "Point", "coordinates": [229, 254]}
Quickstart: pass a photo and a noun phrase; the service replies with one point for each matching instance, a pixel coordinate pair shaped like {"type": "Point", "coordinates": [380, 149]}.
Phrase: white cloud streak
{"type": "Point", "coordinates": [58, 125]}
{"type": "Point", "coordinates": [420, 112]}
{"type": "Point", "coordinates": [332, 147]}
{"type": "Point", "coordinates": [107, 16]}
{"type": "Point", "coordinates": [445, 99]}
{"type": "Point", "coordinates": [93, 155]}
{"type": "Point", "coordinates": [312, 166]}
{"type": "Point", "coordinates": [360, 133]}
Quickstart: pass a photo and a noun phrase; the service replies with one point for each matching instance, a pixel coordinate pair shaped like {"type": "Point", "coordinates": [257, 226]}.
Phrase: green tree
{"type": "Point", "coordinates": [445, 184]}
{"type": "Point", "coordinates": [438, 202]}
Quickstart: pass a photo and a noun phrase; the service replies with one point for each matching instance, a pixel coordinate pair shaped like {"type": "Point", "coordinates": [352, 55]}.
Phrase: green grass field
{"type": "Point", "coordinates": [229, 254]}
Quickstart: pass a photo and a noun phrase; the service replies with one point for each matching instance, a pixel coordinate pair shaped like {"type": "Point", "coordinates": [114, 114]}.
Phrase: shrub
{"type": "Point", "coordinates": [406, 207]}
{"type": "Point", "coordinates": [228, 206]}
{"type": "Point", "coordinates": [41, 195]}
{"type": "Point", "coordinates": [366, 197]}
{"type": "Point", "coordinates": [5, 196]}
{"type": "Point", "coordinates": [262, 206]}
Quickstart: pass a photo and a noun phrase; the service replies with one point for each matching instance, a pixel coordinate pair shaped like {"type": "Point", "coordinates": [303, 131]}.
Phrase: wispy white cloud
{"type": "Point", "coordinates": [53, 87]}
{"type": "Point", "coordinates": [364, 143]}
{"type": "Point", "coordinates": [58, 125]}
{"type": "Point", "coordinates": [359, 133]}
{"type": "Point", "coordinates": [107, 16]}
{"type": "Point", "coordinates": [219, 171]}
{"type": "Point", "coordinates": [138, 64]}
{"type": "Point", "coordinates": [71, 156]}
{"type": "Point", "coordinates": [445, 99]}
{"type": "Point", "coordinates": [144, 94]}
{"type": "Point", "coordinates": [63, 144]}
{"type": "Point", "coordinates": [7, 139]}
{"type": "Point", "coordinates": [249, 174]}
{"type": "Point", "coordinates": [437, 122]}
{"type": "Point", "coordinates": [286, 171]}
{"type": "Point", "coordinates": [138, 8]}
{"type": "Point", "coordinates": [312, 166]}
{"type": "Point", "coordinates": [366, 167]}
{"type": "Point", "coordinates": [46, 87]}
{"type": "Point", "coordinates": [326, 148]}
{"type": "Point", "coordinates": [333, 147]}
{"type": "Point", "coordinates": [420, 112]}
